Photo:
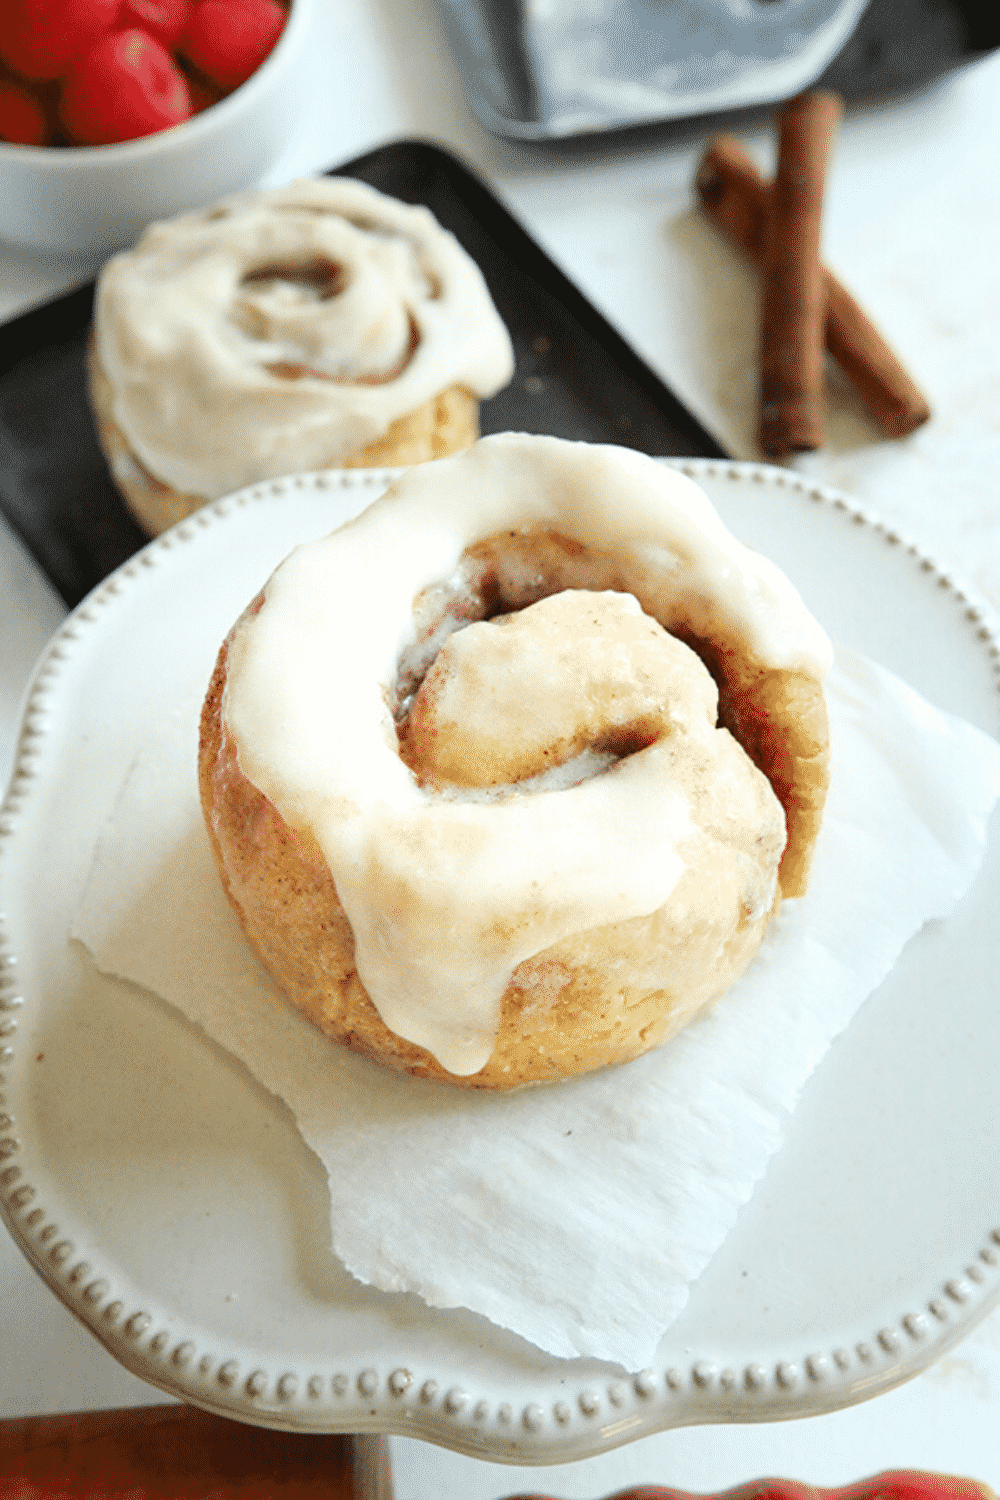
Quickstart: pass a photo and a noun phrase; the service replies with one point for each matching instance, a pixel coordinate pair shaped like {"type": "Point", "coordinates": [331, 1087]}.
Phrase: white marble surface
{"type": "Point", "coordinates": [912, 225]}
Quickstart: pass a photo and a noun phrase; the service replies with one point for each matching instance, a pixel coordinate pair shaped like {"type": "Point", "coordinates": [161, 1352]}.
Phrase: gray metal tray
{"type": "Point", "coordinates": [537, 69]}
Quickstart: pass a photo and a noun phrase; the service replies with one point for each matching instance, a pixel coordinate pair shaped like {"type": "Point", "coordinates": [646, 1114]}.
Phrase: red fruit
{"type": "Point", "coordinates": [22, 119]}
{"type": "Point", "coordinates": [41, 38]}
{"type": "Point", "coordinates": [895, 1484]}
{"type": "Point", "coordinates": [163, 19]}
{"type": "Point", "coordinates": [203, 94]}
{"type": "Point", "coordinates": [125, 87]}
{"type": "Point", "coordinates": [227, 40]}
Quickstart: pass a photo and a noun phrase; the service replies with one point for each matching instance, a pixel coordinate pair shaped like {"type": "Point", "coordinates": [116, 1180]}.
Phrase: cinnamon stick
{"type": "Point", "coordinates": [793, 303]}
{"type": "Point", "coordinates": [737, 198]}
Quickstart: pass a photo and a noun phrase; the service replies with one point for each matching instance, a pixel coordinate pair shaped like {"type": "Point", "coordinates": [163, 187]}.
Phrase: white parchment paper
{"type": "Point", "coordinates": [524, 1207]}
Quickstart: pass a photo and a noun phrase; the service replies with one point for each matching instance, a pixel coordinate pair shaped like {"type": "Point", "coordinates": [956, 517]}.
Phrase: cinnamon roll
{"type": "Point", "coordinates": [506, 777]}
{"type": "Point", "coordinates": [314, 326]}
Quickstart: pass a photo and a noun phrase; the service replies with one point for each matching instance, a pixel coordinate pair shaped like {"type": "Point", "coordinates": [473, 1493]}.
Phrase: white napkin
{"type": "Point", "coordinates": [524, 1207]}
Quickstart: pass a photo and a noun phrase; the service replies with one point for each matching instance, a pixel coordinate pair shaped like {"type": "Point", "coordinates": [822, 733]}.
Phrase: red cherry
{"type": "Point", "coordinates": [127, 86]}
{"type": "Point", "coordinates": [203, 94]}
{"type": "Point", "coordinates": [163, 19]}
{"type": "Point", "coordinates": [22, 119]}
{"type": "Point", "coordinates": [41, 38]}
{"type": "Point", "coordinates": [227, 40]}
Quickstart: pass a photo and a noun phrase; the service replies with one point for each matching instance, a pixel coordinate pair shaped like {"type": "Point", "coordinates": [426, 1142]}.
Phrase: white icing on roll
{"type": "Point", "coordinates": [226, 371]}
{"type": "Point", "coordinates": [446, 895]}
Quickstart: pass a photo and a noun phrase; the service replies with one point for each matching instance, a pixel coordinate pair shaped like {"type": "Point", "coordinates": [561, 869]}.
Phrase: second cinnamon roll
{"type": "Point", "coordinates": [313, 326]}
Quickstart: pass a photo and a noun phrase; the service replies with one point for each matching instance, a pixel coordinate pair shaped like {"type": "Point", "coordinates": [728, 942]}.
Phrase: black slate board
{"type": "Point", "coordinates": [575, 377]}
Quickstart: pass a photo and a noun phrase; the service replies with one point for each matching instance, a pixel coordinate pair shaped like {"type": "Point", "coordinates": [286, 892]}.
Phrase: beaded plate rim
{"type": "Point", "coordinates": [588, 1417]}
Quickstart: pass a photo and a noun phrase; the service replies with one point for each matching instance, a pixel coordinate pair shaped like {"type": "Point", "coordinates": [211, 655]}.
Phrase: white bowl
{"type": "Point", "coordinates": [74, 200]}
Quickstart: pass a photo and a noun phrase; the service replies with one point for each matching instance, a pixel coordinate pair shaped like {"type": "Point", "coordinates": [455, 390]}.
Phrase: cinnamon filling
{"type": "Point", "coordinates": [578, 674]}
{"type": "Point", "coordinates": [286, 369]}
{"type": "Point", "coordinates": [315, 279]}
{"type": "Point", "coordinates": [501, 580]}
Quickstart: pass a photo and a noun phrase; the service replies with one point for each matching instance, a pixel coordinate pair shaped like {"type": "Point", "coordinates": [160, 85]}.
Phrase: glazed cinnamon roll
{"type": "Point", "coordinates": [314, 326]}
{"type": "Point", "coordinates": [540, 811]}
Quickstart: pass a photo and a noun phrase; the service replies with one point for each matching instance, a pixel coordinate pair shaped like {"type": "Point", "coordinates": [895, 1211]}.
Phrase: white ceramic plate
{"type": "Point", "coordinates": [170, 1203]}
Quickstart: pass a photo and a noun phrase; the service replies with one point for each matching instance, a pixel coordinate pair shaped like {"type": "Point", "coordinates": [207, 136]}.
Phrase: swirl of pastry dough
{"type": "Point", "coordinates": [287, 330]}
{"type": "Point", "coordinates": [510, 836]}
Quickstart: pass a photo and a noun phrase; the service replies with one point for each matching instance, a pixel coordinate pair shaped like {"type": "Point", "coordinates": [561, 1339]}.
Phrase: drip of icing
{"type": "Point", "coordinates": [447, 895]}
{"type": "Point", "coordinates": [281, 331]}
